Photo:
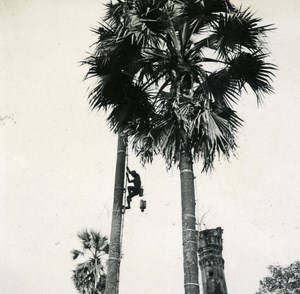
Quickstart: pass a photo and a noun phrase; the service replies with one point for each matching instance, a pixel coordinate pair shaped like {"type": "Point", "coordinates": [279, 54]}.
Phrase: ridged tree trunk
{"type": "Point", "coordinates": [189, 236]}
{"type": "Point", "coordinates": [113, 270]}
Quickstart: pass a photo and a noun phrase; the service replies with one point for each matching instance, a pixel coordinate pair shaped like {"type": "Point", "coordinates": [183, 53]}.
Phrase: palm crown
{"type": "Point", "coordinates": [172, 70]}
{"type": "Point", "coordinates": [89, 276]}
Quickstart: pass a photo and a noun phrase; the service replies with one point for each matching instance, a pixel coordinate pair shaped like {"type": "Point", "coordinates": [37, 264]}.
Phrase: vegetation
{"type": "Point", "coordinates": [169, 73]}
{"type": "Point", "coordinates": [89, 276]}
{"type": "Point", "coordinates": [281, 280]}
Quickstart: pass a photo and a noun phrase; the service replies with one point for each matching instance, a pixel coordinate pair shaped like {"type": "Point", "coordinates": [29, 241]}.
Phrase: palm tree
{"type": "Point", "coordinates": [113, 64]}
{"type": "Point", "coordinates": [89, 276]}
{"type": "Point", "coordinates": [193, 60]}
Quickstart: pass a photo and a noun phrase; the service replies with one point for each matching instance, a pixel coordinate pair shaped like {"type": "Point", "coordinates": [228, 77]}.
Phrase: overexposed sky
{"type": "Point", "coordinates": [58, 160]}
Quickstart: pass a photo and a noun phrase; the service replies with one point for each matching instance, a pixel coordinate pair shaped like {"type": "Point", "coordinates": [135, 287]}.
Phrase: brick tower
{"type": "Point", "coordinates": [211, 261]}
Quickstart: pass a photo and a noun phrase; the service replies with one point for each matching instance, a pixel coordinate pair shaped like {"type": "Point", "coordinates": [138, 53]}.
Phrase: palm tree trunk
{"type": "Point", "coordinates": [113, 270]}
{"type": "Point", "coordinates": [189, 236]}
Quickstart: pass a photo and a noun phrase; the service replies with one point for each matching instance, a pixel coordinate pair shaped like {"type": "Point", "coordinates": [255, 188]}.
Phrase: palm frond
{"type": "Point", "coordinates": [85, 238]}
{"type": "Point", "coordinates": [200, 13]}
{"type": "Point", "coordinates": [143, 146]}
{"type": "Point", "coordinates": [207, 7]}
{"type": "Point", "coordinates": [162, 138]}
{"type": "Point", "coordinates": [222, 87]}
{"type": "Point", "coordinates": [251, 69]}
{"type": "Point", "coordinates": [153, 14]}
{"type": "Point", "coordinates": [168, 140]}
{"type": "Point", "coordinates": [231, 32]}
{"type": "Point", "coordinates": [114, 13]}
{"type": "Point", "coordinates": [104, 31]}
{"type": "Point", "coordinates": [121, 55]}
{"type": "Point", "coordinates": [143, 20]}
{"type": "Point", "coordinates": [98, 240]}
{"type": "Point", "coordinates": [75, 253]}
{"type": "Point", "coordinates": [134, 110]}
{"type": "Point", "coordinates": [217, 6]}
{"type": "Point", "coordinates": [213, 133]}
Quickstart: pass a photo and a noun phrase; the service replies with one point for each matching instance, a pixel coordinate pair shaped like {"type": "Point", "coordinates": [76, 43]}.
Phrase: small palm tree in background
{"type": "Point", "coordinates": [90, 275]}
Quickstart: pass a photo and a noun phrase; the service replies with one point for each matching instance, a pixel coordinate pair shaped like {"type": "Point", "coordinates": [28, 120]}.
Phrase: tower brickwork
{"type": "Point", "coordinates": [211, 261]}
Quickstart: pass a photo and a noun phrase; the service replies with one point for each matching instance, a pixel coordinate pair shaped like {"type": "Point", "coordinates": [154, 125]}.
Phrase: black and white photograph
{"type": "Point", "coordinates": [149, 146]}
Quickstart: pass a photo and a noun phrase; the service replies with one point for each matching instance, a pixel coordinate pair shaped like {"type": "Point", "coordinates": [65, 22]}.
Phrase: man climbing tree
{"type": "Point", "coordinates": [136, 188]}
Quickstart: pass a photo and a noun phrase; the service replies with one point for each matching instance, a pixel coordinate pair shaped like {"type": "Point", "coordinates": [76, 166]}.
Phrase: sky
{"type": "Point", "coordinates": [57, 161]}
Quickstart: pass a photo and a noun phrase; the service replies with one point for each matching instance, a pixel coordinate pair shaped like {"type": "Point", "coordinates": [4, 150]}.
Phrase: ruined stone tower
{"type": "Point", "coordinates": [211, 261]}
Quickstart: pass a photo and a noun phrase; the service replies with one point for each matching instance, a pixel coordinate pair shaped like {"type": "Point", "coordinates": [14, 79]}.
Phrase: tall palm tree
{"type": "Point", "coordinates": [114, 65]}
{"type": "Point", "coordinates": [89, 276]}
{"type": "Point", "coordinates": [193, 60]}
